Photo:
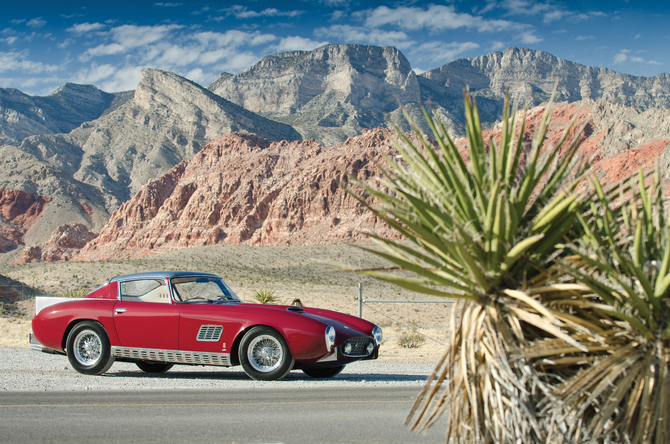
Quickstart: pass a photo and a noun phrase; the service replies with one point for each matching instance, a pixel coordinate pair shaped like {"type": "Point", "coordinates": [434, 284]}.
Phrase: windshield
{"type": "Point", "coordinates": [202, 289]}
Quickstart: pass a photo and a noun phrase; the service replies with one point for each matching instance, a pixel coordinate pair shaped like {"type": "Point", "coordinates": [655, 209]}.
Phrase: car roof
{"type": "Point", "coordinates": [160, 275]}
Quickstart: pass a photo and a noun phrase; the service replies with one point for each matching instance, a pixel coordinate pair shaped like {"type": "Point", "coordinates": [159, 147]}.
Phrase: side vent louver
{"type": "Point", "coordinates": [209, 333]}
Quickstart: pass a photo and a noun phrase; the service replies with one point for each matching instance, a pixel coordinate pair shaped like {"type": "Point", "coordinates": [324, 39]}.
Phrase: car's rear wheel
{"type": "Point", "coordinates": [88, 348]}
{"type": "Point", "coordinates": [264, 354]}
{"type": "Point", "coordinates": [323, 372]}
{"type": "Point", "coordinates": [154, 367]}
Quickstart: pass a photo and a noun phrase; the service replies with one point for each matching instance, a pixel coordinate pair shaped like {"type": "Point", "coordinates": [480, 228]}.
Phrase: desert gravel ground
{"type": "Point", "coordinates": [22, 369]}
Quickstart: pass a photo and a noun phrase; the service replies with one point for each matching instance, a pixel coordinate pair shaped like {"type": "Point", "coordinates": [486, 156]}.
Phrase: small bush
{"type": "Point", "coordinates": [75, 293]}
{"type": "Point", "coordinates": [265, 296]}
{"type": "Point", "coordinates": [409, 335]}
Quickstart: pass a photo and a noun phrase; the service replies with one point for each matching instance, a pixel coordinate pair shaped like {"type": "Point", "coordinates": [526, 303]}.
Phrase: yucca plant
{"type": "Point", "coordinates": [479, 226]}
{"type": "Point", "coordinates": [265, 296]}
{"type": "Point", "coordinates": [617, 391]}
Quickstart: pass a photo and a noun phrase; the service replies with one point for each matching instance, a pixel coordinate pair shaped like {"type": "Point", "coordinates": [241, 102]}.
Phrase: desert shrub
{"type": "Point", "coordinates": [75, 293]}
{"type": "Point", "coordinates": [265, 296]}
{"type": "Point", "coordinates": [409, 335]}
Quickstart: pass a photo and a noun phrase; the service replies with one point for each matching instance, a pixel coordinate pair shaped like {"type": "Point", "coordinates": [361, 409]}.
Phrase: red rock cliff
{"type": "Point", "coordinates": [241, 189]}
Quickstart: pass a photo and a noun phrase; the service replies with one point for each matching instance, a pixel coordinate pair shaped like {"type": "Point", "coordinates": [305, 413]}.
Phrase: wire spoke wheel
{"type": "Point", "coordinates": [265, 353]}
{"type": "Point", "coordinates": [87, 348]}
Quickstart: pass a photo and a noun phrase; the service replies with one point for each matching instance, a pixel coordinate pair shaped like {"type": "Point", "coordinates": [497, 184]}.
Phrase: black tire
{"type": "Point", "coordinates": [264, 354]}
{"type": "Point", "coordinates": [154, 367]}
{"type": "Point", "coordinates": [323, 372]}
{"type": "Point", "coordinates": [88, 348]}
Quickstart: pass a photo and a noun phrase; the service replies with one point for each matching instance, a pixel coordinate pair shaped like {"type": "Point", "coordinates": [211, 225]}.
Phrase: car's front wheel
{"type": "Point", "coordinates": [154, 367]}
{"type": "Point", "coordinates": [264, 354]}
{"type": "Point", "coordinates": [88, 348]}
{"type": "Point", "coordinates": [323, 372]}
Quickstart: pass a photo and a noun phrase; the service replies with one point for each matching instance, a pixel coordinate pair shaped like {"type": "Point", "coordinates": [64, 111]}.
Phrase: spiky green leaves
{"type": "Point", "coordinates": [477, 221]}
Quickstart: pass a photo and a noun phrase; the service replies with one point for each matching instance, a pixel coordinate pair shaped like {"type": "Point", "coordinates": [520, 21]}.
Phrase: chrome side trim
{"type": "Point", "coordinates": [174, 356]}
{"type": "Point", "coordinates": [209, 333]}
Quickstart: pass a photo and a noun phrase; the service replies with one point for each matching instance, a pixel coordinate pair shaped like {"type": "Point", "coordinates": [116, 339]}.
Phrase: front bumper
{"type": "Point", "coordinates": [338, 357]}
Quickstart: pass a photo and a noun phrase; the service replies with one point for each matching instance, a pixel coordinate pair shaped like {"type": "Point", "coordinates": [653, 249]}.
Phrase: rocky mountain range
{"type": "Point", "coordinates": [76, 165]}
{"type": "Point", "coordinates": [89, 172]}
{"type": "Point", "coordinates": [65, 109]}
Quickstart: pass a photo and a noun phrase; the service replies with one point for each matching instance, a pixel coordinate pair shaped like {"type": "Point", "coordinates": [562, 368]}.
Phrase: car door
{"type": "Point", "coordinates": [146, 317]}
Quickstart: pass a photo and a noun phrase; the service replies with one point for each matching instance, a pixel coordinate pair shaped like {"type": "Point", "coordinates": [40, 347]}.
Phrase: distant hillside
{"type": "Point", "coordinates": [65, 109]}
{"type": "Point", "coordinates": [59, 185]}
{"type": "Point", "coordinates": [89, 172]}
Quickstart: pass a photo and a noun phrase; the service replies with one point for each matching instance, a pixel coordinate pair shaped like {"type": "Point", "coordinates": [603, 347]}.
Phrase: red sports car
{"type": "Point", "coordinates": [160, 319]}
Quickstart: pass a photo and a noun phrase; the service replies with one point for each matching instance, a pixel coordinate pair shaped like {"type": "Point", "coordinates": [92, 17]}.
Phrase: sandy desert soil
{"type": "Point", "coordinates": [304, 272]}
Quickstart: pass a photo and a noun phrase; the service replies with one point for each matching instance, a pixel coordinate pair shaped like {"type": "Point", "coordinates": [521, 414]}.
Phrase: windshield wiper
{"type": "Point", "coordinates": [216, 301]}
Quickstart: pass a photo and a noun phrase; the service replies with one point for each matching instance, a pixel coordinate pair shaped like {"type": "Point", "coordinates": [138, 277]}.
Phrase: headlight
{"type": "Point", "coordinates": [347, 348]}
{"type": "Point", "coordinates": [330, 338]}
{"type": "Point", "coordinates": [370, 348]}
{"type": "Point", "coordinates": [377, 333]}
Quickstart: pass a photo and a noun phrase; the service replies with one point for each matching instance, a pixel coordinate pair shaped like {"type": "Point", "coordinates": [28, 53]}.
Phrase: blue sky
{"type": "Point", "coordinates": [44, 44]}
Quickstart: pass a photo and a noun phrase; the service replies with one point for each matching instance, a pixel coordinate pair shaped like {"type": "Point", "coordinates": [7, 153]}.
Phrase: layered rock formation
{"type": "Point", "coordinates": [330, 93]}
{"type": "Point", "coordinates": [64, 243]}
{"type": "Point", "coordinates": [18, 212]}
{"type": "Point", "coordinates": [90, 171]}
{"type": "Point", "coordinates": [531, 77]}
{"type": "Point", "coordinates": [241, 189]}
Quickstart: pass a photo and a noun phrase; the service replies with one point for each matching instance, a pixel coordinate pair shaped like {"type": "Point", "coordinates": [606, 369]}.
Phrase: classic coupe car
{"type": "Point", "coordinates": [160, 319]}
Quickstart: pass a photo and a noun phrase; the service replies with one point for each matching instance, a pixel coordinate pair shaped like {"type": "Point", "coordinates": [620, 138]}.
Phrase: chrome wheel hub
{"type": "Point", "coordinates": [87, 348]}
{"type": "Point", "coordinates": [265, 353]}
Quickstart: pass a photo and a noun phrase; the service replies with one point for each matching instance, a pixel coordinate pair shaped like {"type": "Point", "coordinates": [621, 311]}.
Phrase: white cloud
{"type": "Point", "coordinates": [242, 12]}
{"type": "Point", "coordinates": [367, 36]}
{"type": "Point", "coordinates": [94, 74]}
{"type": "Point", "coordinates": [296, 43]}
{"type": "Point", "coordinates": [17, 21]}
{"type": "Point", "coordinates": [233, 38]}
{"type": "Point", "coordinates": [168, 5]}
{"type": "Point", "coordinates": [197, 75]}
{"type": "Point", "coordinates": [123, 79]}
{"type": "Point", "coordinates": [623, 56]}
{"type": "Point", "coordinates": [9, 40]}
{"type": "Point", "coordinates": [438, 52]}
{"type": "Point", "coordinates": [240, 62]}
{"type": "Point", "coordinates": [131, 36]}
{"type": "Point", "coordinates": [126, 37]}
{"type": "Point", "coordinates": [433, 18]}
{"type": "Point", "coordinates": [17, 61]}
{"type": "Point", "coordinates": [36, 22]}
{"type": "Point", "coordinates": [529, 38]}
{"type": "Point", "coordinates": [497, 46]}
{"type": "Point", "coordinates": [65, 43]}
{"type": "Point", "coordinates": [102, 50]}
{"type": "Point", "coordinates": [337, 15]}
{"type": "Point", "coordinates": [550, 11]}
{"type": "Point", "coordinates": [334, 3]}
{"type": "Point", "coordinates": [82, 28]}
{"type": "Point", "coordinates": [584, 37]}
{"type": "Point", "coordinates": [637, 36]}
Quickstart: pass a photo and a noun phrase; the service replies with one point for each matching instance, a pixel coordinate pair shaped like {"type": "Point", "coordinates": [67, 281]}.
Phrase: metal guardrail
{"type": "Point", "coordinates": [395, 301]}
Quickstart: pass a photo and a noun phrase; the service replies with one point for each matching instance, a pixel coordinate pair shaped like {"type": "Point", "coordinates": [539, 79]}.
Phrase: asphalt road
{"type": "Point", "coordinates": [255, 415]}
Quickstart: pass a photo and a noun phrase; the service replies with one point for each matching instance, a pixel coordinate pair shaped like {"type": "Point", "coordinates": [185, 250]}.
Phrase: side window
{"type": "Point", "coordinates": [146, 290]}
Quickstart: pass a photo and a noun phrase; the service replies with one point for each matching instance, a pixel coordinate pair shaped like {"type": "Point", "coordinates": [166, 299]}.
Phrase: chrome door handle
{"type": "Point", "coordinates": [120, 310]}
